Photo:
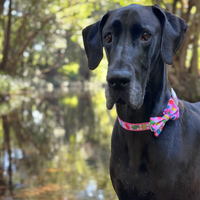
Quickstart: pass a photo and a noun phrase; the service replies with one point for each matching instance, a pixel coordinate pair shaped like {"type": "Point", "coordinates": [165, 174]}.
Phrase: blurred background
{"type": "Point", "coordinates": [55, 129]}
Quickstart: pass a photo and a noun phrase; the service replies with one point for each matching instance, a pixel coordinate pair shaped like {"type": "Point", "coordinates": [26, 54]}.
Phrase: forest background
{"type": "Point", "coordinates": [41, 42]}
{"type": "Point", "coordinates": [54, 127]}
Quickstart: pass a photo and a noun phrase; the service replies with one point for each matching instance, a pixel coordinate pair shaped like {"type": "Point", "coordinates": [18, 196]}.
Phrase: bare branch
{"type": "Point", "coordinates": [27, 41]}
{"type": "Point", "coordinates": [186, 16]}
{"type": "Point", "coordinates": [174, 6]}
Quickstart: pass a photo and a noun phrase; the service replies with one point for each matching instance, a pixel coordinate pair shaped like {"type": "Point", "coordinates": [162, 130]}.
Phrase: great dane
{"type": "Point", "coordinates": [146, 163]}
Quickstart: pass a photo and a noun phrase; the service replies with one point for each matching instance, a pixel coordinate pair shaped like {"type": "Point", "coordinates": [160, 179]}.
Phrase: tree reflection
{"type": "Point", "coordinates": [58, 146]}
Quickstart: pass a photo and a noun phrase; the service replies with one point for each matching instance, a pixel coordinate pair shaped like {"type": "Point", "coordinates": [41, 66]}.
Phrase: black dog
{"type": "Point", "coordinates": [138, 40]}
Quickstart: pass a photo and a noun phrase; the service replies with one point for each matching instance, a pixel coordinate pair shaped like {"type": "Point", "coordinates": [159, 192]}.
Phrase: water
{"type": "Point", "coordinates": [56, 146]}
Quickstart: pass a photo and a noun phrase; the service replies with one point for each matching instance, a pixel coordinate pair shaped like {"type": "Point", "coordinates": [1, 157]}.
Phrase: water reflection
{"type": "Point", "coordinates": [56, 146]}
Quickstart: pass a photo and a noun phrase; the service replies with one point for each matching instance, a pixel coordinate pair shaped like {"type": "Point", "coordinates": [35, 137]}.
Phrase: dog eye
{"type": "Point", "coordinates": [145, 36]}
{"type": "Point", "coordinates": [108, 38]}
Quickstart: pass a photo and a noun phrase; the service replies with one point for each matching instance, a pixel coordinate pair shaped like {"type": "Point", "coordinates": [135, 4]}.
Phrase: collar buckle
{"type": "Point", "coordinates": [150, 127]}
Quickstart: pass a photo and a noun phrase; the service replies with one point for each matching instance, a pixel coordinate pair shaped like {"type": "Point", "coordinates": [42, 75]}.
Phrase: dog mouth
{"type": "Point", "coordinates": [134, 100]}
{"type": "Point", "coordinates": [121, 101]}
{"type": "Point", "coordinates": [117, 100]}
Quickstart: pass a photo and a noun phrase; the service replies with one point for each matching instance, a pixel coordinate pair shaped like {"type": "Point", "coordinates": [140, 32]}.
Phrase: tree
{"type": "Point", "coordinates": [184, 72]}
{"type": "Point", "coordinates": [45, 37]}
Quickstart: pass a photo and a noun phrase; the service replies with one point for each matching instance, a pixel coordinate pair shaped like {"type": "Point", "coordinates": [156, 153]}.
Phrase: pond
{"type": "Point", "coordinates": [56, 145]}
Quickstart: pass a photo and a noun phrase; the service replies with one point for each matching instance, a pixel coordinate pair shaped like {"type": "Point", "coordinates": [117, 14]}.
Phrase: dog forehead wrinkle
{"type": "Point", "coordinates": [132, 17]}
{"type": "Point", "coordinates": [116, 23]}
{"type": "Point", "coordinates": [143, 18]}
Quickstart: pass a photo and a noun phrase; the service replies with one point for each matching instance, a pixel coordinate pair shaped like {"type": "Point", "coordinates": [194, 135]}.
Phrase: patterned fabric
{"type": "Point", "coordinates": [156, 124]}
{"type": "Point", "coordinates": [134, 127]}
{"type": "Point", "coordinates": [171, 112]}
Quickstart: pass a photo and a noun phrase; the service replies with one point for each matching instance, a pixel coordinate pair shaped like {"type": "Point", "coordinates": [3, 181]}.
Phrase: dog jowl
{"type": "Point", "coordinates": [139, 41]}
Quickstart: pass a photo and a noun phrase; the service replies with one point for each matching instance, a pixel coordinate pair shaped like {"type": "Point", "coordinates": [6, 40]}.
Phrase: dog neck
{"type": "Point", "coordinates": [155, 100]}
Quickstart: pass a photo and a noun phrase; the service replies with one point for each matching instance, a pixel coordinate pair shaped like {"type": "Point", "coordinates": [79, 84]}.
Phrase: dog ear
{"type": "Point", "coordinates": [173, 32]}
{"type": "Point", "coordinates": [92, 39]}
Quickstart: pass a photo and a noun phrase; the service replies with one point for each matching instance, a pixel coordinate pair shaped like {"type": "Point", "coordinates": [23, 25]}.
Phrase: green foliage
{"type": "Point", "coordinates": [11, 85]}
{"type": "Point", "coordinates": [71, 101]}
{"type": "Point", "coordinates": [71, 70]}
{"type": "Point", "coordinates": [39, 31]}
{"type": "Point", "coordinates": [128, 2]}
{"type": "Point", "coordinates": [46, 40]}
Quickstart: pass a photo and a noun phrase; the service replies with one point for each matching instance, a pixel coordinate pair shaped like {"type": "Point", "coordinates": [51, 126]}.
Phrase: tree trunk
{"type": "Point", "coordinates": [6, 128]}
{"type": "Point", "coordinates": [185, 79]}
{"type": "Point", "coordinates": [7, 40]}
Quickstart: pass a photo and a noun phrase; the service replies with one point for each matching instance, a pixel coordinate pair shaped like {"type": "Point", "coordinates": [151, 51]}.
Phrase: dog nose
{"type": "Point", "coordinates": [118, 79]}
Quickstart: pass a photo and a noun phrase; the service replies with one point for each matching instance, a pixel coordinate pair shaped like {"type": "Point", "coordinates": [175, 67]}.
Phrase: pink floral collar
{"type": "Point", "coordinates": [156, 124]}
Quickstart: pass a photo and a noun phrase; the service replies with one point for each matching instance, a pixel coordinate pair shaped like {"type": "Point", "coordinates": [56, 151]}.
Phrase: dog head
{"type": "Point", "coordinates": [134, 38]}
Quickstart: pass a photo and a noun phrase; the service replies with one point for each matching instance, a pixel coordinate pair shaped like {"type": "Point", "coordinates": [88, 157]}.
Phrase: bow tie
{"type": "Point", "coordinates": [171, 112]}
{"type": "Point", "coordinates": [156, 124]}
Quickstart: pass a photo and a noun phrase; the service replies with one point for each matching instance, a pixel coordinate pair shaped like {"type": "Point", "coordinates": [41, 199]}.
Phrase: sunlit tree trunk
{"type": "Point", "coordinates": [6, 38]}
